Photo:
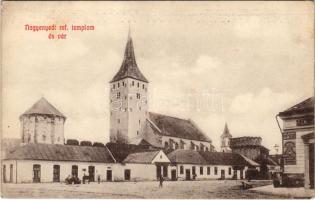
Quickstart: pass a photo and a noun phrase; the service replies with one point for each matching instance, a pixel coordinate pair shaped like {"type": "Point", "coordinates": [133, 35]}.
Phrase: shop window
{"type": "Point", "coordinates": [208, 170]}
{"type": "Point", "coordinates": [201, 170]}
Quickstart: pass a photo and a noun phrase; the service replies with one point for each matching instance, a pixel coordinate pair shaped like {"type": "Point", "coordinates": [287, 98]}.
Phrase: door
{"type": "Point", "coordinates": [222, 174]}
{"type": "Point", "coordinates": [36, 173]}
{"type": "Point", "coordinates": [109, 175]}
{"type": "Point", "coordinates": [4, 174]}
{"type": "Point", "coordinates": [242, 174]}
{"type": "Point", "coordinates": [74, 170]}
{"type": "Point", "coordinates": [311, 165]}
{"type": "Point", "coordinates": [173, 175]}
{"type": "Point", "coordinates": [11, 173]}
{"type": "Point", "coordinates": [91, 173]}
{"type": "Point", "coordinates": [127, 174]}
{"type": "Point", "coordinates": [56, 173]}
{"type": "Point", "coordinates": [187, 174]}
{"type": "Point", "coordinates": [165, 172]}
{"type": "Point", "coordinates": [158, 172]}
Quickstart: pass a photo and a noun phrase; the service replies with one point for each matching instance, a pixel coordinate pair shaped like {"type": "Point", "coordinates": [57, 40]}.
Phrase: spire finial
{"type": "Point", "coordinates": [129, 30]}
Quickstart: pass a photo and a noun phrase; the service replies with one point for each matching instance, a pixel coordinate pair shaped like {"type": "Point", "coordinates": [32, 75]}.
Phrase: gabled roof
{"type": "Point", "coordinates": [220, 158]}
{"type": "Point", "coordinates": [129, 67]}
{"type": "Point", "coordinates": [226, 132]}
{"type": "Point", "coordinates": [121, 151]}
{"type": "Point", "coordinates": [186, 157]}
{"type": "Point", "coordinates": [42, 106]}
{"type": "Point", "coordinates": [57, 152]}
{"type": "Point", "coordinates": [302, 107]}
{"type": "Point", "coordinates": [141, 157]}
{"type": "Point", "coordinates": [176, 127]}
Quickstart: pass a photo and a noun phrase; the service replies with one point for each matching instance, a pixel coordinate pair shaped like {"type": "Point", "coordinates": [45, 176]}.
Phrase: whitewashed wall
{"type": "Point", "coordinates": [205, 174]}
{"type": "Point", "coordinates": [24, 170]}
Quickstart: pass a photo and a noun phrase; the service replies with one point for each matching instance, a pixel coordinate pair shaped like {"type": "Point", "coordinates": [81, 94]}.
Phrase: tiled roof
{"type": "Point", "coordinates": [129, 67]}
{"type": "Point", "coordinates": [176, 127]}
{"type": "Point", "coordinates": [142, 157]}
{"type": "Point", "coordinates": [220, 158]}
{"type": "Point", "coordinates": [186, 157]}
{"type": "Point", "coordinates": [57, 152]}
{"type": "Point", "coordinates": [305, 106]}
{"type": "Point", "coordinates": [42, 106]}
{"type": "Point", "coordinates": [121, 151]}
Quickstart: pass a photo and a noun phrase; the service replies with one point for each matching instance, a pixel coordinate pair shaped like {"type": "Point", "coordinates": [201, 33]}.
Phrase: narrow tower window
{"type": "Point", "coordinates": [133, 83]}
{"type": "Point", "coordinates": [118, 95]}
{"type": "Point", "coordinates": [113, 86]}
{"type": "Point", "coordinates": [142, 86]}
{"type": "Point", "coordinates": [138, 85]}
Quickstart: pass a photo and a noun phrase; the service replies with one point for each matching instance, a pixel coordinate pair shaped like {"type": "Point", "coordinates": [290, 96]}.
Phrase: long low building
{"type": "Point", "coordinates": [116, 162]}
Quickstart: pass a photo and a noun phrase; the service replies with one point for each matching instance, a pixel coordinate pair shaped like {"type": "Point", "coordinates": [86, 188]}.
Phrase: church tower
{"type": "Point", "coordinates": [225, 139]}
{"type": "Point", "coordinates": [128, 99]}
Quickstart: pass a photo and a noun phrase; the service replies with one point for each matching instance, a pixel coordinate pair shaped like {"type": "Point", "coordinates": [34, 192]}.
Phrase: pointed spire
{"type": "Point", "coordinates": [129, 67]}
{"type": "Point", "coordinates": [129, 34]}
{"type": "Point", "coordinates": [226, 132]}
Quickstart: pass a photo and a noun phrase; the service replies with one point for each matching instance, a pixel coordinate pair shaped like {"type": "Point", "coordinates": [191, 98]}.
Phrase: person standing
{"type": "Point", "coordinates": [161, 181]}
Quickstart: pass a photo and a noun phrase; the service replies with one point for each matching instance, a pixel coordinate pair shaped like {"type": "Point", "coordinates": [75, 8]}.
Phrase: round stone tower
{"type": "Point", "coordinates": [42, 123]}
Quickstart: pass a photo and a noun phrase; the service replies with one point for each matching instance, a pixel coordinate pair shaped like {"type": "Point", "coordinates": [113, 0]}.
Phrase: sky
{"type": "Point", "coordinates": [238, 63]}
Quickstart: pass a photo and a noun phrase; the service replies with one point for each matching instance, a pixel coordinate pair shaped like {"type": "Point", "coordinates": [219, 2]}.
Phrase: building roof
{"type": "Point", "coordinates": [186, 157]}
{"type": "Point", "coordinates": [176, 127]}
{"type": "Point", "coordinates": [226, 132]}
{"type": "Point", "coordinates": [141, 157]}
{"type": "Point", "coordinates": [250, 161]}
{"type": "Point", "coordinates": [129, 67]}
{"type": "Point", "coordinates": [121, 151]}
{"type": "Point", "coordinates": [42, 106]}
{"type": "Point", "coordinates": [57, 152]}
{"type": "Point", "coordinates": [302, 107]}
{"type": "Point", "coordinates": [221, 158]}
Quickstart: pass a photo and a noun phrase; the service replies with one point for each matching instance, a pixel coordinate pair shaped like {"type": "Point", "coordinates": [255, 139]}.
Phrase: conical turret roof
{"type": "Point", "coordinates": [129, 67]}
{"type": "Point", "coordinates": [42, 106]}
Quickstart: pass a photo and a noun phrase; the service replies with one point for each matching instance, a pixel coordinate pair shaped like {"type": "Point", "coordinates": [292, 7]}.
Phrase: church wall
{"type": "Point", "coordinates": [139, 106]}
{"type": "Point", "coordinates": [132, 109]}
{"type": "Point", "coordinates": [187, 145]}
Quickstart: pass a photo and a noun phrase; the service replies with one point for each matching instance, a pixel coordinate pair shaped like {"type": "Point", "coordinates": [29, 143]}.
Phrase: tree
{"type": "Point", "coordinates": [86, 143]}
{"type": "Point", "coordinates": [98, 144]}
{"type": "Point", "coordinates": [72, 142]}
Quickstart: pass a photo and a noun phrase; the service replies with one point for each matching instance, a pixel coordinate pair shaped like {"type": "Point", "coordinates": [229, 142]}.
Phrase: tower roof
{"type": "Point", "coordinates": [42, 106]}
{"type": "Point", "coordinates": [129, 66]}
{"type": "Point", "coordinates": [226, 132]}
